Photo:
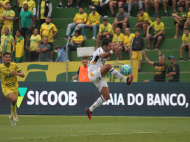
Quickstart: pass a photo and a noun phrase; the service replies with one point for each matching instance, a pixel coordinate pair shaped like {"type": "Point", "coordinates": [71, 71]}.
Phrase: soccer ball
{"type": "Point", "coordinates": [126, 70]}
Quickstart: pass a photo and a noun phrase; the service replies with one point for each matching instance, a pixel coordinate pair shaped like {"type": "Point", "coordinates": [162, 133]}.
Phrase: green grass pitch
{"type": "Point", "coordinates": [41, 128]}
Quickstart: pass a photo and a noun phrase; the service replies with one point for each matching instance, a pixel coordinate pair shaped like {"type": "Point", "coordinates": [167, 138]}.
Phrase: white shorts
{"type": "Point", "coordinates": [96, 77]}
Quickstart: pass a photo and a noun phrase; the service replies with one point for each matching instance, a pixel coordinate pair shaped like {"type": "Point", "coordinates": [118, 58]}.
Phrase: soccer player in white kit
{"type": "Point", "coordinates": [97, 72]}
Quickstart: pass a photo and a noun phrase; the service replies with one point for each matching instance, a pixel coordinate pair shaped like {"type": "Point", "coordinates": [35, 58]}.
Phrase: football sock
{"type": "Point", "coordinates": [98, 103]}
{"type": "Point", "coordinates": [118, 75]}
{"type": "Point", "coordinates": [13, 107]}
{"type": "Point", "coordinates": [60, 3]}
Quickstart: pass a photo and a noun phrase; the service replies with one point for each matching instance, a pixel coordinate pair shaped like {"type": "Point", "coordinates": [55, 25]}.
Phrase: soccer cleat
{"type": "Point", "coordinates": [88, 113]}
{"type": "Point", "coordinates": [129, 80]}
{"type": "Point", "coordinates": [13, 123]}
{"type": "Point", "coordinates": [166, 14]}
{"type": "Point", "coordinates": [15, 117]}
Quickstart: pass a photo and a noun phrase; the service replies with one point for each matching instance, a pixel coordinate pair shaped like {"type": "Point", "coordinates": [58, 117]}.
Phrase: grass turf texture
{"type": "Point", "coordinates": [99, 129]}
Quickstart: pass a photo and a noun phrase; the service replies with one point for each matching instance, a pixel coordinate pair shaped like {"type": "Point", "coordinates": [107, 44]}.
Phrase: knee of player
{"type": "Point", "coordinates": [107, 97]}
{"type": "Point", "coordinates": [109, 66]}
{"type": "Point", "coordinates": [14, 100]}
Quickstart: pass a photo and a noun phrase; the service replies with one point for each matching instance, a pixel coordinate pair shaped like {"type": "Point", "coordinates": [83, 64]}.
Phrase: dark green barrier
{"type": "Point", "coordinates": [139, 99]}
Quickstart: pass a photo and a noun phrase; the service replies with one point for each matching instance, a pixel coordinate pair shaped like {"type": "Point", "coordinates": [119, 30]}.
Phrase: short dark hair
{"type": "Point", "coordinates": [77, 31]}
{"type": "Point", "coordinates": [137, 31]}
{"type": "Point", "coordinates": [158, 16]}
{"type": "Point", "coordinates": [106, 41]}
{"type": "Point", "coordinates": [105, 19]}
{"type": "Point", "coordinates": [186, 29]}
{"type": "Point", "coordinates": [81, 7]}
{"type": "Point", "coordinates": [6, 53]}
{"type": "Point", "coordinates": [20, 31]}
{"type": "Point", "coordinates": [180, 6]}
{"type": "Point", "coordinates": [84, 58]}
{"type": "Point", "coordinates": [8, 3]}
{"type": "Point", "coordinates": [58, 47]}
{"type": "Point", "coordinates": [6, 28]}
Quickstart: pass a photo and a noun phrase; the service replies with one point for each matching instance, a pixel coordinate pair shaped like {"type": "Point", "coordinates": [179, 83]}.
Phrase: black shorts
{"type": "Point", "coordinates": [120, 25]}
{"type": "Point", "coordinates": [151, 36]}
{"type": "Point", "coordinates": [181, 24]}
{"type": "Point", "coordinates": [51, 45]}
{"type": "Point", "coordinates": [33, 55]}
{"type": "Point", "coordinates": [187, 48]}
{"type": "Point", "coordinates": [103, 36]}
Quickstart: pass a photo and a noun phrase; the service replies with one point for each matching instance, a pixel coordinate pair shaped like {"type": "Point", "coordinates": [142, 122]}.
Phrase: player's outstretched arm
{"type": "Point", "coordinates": [20, 73]}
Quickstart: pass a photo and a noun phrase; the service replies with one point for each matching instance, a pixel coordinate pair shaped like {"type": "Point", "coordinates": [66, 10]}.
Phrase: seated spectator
{"type": "Point", "coordinates": [118, 40]}
{"type": "Point", "coordinates": [127, 40]}
{"type": "Point", "coordinates": [105, 31]}
{"type": "Point", "coordinates": [179, 19]}
{"type": "Point", "coordinates": [158, 35]}
{"type": "Point", "coordinates": [78, 22]}
{"type": "Point", "coordinates": [80, 1]}
{"type": "Point", "coordinates": [121, 20]}
{"type": "Point", "coordinates": [184, 3]}
{"type": "Point", "coordinates": [7, 41]}
{"type": "Point", "coordinates": [155, 4]}
{"type": "Point", "coordinates": [132, 3]}
{"type": "Point", "coordinates": [18, 47]}
{"type": "Point", "coordinates": [159, 68]}
{"type": "Point", "coordinates": [61, 54]}
{"type": "Point", "coordinates": [44, 50]}
{"type": "Point", "coordinates": [143, 21]}
{"type": "Point", "coordinates": [103, 8]}
{"type": "Point", "coordinates": [185, 44]}
{"type": "Point", "coordinates": [44, 11]}
{"type": "Point", "coordinates": [35, 42]}
{"type": "Point", "coordinates": [117, 4]}
{"type": "Point", "coordinates": [137, 46]}
{"type": "Point", "coordinates": [92, 23]}
{"type": "Point", "coordinates": [169, 2]}
{"type": "Point", "coordinates": [187, 23]}
{"type": "Point", "coordinates": [82, 73]}
{"type": "Point", "coordinates": [60, 4]}
{"type": "Point", "coordinates": [76, 41]}
{"type": "Point", "coordinates": [70, 4]}
{"type": "Point", "coordinates": [173, 70]}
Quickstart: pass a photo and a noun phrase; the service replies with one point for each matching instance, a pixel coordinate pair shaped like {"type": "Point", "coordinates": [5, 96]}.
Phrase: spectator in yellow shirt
{"type": "Point", "coordinates": [7, 18]}
{"type": "Point", "coordinates": [78, 22]}
{"type": "Point", "coordinates": [143, 21]}
{"type": "Point", "coordinates": [127, 40]}
{"type": "Point", "coordinates": [158, 35]}
{"type": "Point", "coordinates": [105, 31]}
{"type": "Point", "coordinates": [118, 40]}
{"type": "Point", "coordinates": [185, 44]}
{"type": "Point", "coordinates": [76, 41]}
{"type": "Point", "coordinates": [2, 9]}
{"type": "Point", "coordinates": [92, 23]}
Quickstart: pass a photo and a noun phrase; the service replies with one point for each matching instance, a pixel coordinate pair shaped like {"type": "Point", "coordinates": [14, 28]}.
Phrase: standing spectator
{"type": "Point", "coordinates": [26, 25]}
{"type": "Point", "coordinates": [92, 23]}
{"type": "Point", "coordinates": [78, 22]}
{"type": "Point", "coordinates": [31, 8]}
{"type": "Point", "coordinates": [35, 42]}
{"type": "Point", "coordinates": [158, 35]}
{"type": "Point", "coordinates": [79, 2]}
{"type": "Point", "coordinates": [173, 70]}
{"type": "Point", "coordinates": [60, 4]}
{"type": "Point", "coordinates": [44, 50]}
{"type": "Point", "coordinates": [185, 44]}
{"type": "Point", "coordinates": [103, 8]}
{"type": "Point", "coordinates": [82, 73]}
{"type": "Point", "coordinates": [132, 3]}
{"type": "Point", "coordinates": [49, 30]}
{"type": "Point", "coordinates": [127, 40]}
{"type": "Point", "coordinates": [137, 46]}
{"type": "Point", "coordinates": [76, 41]}
{"type": "Point", "coordinates": [118, 40]}
{"type": "Point", "coordinates": [143, 21]}
{"type": "Point", "coordinates": [7, 18]}
{"type": "Point", "coordinates": [61, 54]}
{"type": "Point", "coordinates": [117, 4]}
{"type": "Point", "coordinates": [159, 68]}
{"type": "Point", "coordinates": [44, 11]}
{"type": "Point", "coordinates": [2, 9]}
{"type": "Point", "coordinates": [179, 19]}
{"type": "Point", "coordinates": [7, 42]}
{"type": "Point", "coordinates": [18, 47]}
{"type": "Point", "coordinates": [121, 20]}
{"type": "Point", "coordinates": [70, 4]}
{"type": "Point", "coordinates": [105, 31]}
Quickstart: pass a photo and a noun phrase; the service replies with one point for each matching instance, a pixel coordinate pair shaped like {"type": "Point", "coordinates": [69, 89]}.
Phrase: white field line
{"type": "Point", "coordinates": [89, 135]}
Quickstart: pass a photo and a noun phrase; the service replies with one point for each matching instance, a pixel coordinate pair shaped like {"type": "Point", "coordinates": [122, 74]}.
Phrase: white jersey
{"type": "Point", "coordinates": [96, 61]}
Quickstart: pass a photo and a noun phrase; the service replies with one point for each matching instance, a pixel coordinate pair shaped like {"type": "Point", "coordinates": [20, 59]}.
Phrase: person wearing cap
{"type": "Point", "coordinates": [173, 70]}
{"type": "Point", "coordinates": [185, 44]}
{"type": "Point", "coordinates": [179, 19]}
{"type": "Point", "coordinates": [158, 35]}
{"type": "Point", "coordinates": [159, 68]}
{"type": "Point", "coordinates": [78, 22]}
{"type": "Point", "coordinates": [92, 23]}
{"type": "Point", "coordinates": [105, 31]}
{"type": "Point", "coordinates": [138, 3]}
{"type": "Point", "coordinates": [143, 21]}
{"type": "Point", "coordinates": [121, 20]}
